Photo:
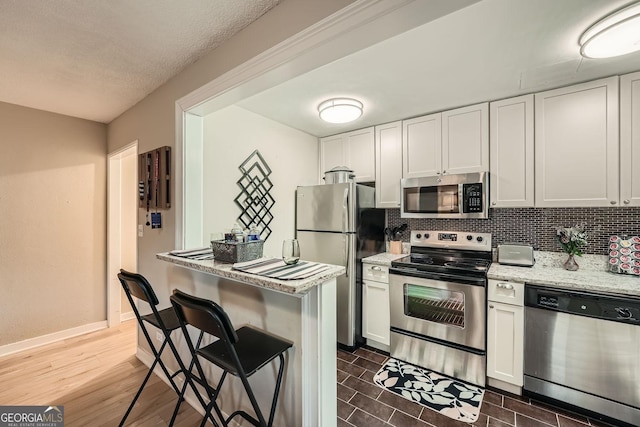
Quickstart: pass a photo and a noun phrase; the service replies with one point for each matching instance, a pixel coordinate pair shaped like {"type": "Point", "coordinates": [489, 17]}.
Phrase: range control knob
{"type": "Point", "coordinates": [623, 312]}
{"type": "Point", "coordinates": [426, 235]}
{"type": "Point", "coordinates": [418, 236]}
{"type": "Point", "coordinates": [469, 237]}
{"type": "Point", "coordinates": [479, 239]}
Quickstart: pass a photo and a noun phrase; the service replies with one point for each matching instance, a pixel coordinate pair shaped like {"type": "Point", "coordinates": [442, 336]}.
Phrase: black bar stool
{"type": "Point", "coordinates": [239, 352]}
{"type": "Point", "coordinates": [135, 285]}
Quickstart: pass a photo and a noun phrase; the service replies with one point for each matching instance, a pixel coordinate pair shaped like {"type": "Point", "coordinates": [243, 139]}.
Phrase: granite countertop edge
{"type": "Point", "coordinates": [591, 277]}
{"type": "Point", "coordinates": [221, 269]}
{"type": "Point", "coordinates": [383, 259]}
{"type": "Point", "coordinates": [584, 280]}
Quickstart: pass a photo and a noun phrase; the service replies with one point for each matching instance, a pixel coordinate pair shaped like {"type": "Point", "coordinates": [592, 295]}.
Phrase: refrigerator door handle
{"type": "Point", "coordinates": [347, 253]}
{"type": "Point", "coordinates": [345, 211]}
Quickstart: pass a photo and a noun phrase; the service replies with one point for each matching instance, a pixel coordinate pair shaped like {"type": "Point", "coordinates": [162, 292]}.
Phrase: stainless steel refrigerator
{"type": "Point", "coordinates": [338, 224]}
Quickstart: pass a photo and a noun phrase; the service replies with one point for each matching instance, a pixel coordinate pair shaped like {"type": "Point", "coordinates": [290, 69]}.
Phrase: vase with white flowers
{"type": "Point", "coordinates": [572, 239]}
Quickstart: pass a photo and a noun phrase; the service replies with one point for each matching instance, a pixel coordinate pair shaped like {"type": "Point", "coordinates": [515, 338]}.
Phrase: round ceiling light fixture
{"type": "Point", "coordinates": [614, 35]}
{"type": "Point", "coordinates": [340, 110]}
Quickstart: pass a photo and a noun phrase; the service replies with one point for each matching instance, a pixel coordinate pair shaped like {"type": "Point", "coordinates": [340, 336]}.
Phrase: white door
{"type": "Point", "coordinates": [505, 354]}
{"type": "Point", "coordinates": [511, 152]}
{"type": "Point", "coordinates": [630, 139]}
{"type": "Point", "coordinates": [388, 165]}
{"type": "Point", "coordinates": [121, 229]}
{"type": "Point", "coordinates": [576, 145]}
{"type": "Point", "coordinates": [422, 146]}
{"type": "Point", "coordinates": [465, 139]}
{"type": "Point", "coordinates": [361, 148]}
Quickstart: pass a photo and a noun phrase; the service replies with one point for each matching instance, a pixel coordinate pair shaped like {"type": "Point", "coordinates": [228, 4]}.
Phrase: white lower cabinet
{"type": "Point", "coordinates": [375, 306]}
{"type": "Point", "coordinates": [505, 335]}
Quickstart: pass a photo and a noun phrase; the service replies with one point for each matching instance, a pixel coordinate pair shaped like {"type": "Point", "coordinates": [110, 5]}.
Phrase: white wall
{"type": "Point", "coordinates": [230, 136]}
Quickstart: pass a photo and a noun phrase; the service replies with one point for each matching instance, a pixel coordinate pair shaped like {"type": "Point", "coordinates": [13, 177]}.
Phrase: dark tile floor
{"type": "Point", "coordinates": [361, 403]}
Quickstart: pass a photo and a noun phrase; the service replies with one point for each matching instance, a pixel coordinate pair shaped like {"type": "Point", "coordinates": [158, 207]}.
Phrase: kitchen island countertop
{"type": "Point", "coordinates": [223, 269]}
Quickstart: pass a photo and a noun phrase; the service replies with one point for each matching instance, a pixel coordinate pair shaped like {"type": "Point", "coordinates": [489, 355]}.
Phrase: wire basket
{"type": "Point", "coordinates": [236, 251]}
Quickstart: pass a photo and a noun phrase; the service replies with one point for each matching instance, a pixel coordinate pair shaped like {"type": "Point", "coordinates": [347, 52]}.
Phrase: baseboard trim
{"type": "Point", "coordinates": [127, 316]}
{"type": "Point", "coordinates": [30, 343]}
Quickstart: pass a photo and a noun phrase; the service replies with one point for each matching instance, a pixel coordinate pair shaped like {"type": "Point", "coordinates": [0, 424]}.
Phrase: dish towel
{"type": "Point", "coordinates": [275, 268]}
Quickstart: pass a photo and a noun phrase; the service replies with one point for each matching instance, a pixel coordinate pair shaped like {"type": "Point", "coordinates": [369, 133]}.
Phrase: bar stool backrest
{"type": "Point", "coordinates": [205, 315]}
{"type": "Point", "coordinates": [138, 286]}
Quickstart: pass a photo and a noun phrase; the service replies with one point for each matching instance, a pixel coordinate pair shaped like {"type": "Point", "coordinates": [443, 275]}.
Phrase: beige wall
{"type": "Point", "coordinates": [152, 121]}
{"type": "Point", "coordinates": [52, 222]}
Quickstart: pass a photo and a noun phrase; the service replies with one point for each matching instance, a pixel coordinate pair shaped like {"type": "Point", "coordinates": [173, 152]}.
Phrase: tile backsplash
{"type": "Point", "coordinates": [536, 226]}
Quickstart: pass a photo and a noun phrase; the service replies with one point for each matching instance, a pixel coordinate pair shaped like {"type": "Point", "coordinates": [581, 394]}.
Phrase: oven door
{"type": "Point", "coordinates": [444, 307]}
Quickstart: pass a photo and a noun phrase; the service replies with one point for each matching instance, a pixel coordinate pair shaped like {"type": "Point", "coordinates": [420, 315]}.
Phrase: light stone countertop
{"type": "Point", "coordinates": [223, 269]}
{"type": "Point", "coordinates": [383, 259]}
{"type": "Point", "coordinates": [548, 271]}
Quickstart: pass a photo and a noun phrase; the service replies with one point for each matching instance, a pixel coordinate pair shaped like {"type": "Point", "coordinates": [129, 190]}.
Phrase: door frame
{"type": "Point", "coordinates": [114, 229]}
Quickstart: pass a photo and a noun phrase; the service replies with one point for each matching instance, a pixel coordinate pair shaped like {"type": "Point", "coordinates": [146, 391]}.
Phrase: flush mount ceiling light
{"type": "Point", "coordinates": [340, 110]}
{"type": "Point", "coordinates": [615, 35]}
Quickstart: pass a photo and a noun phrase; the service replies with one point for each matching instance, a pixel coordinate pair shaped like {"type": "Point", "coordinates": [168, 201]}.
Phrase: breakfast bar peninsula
{"type": "Point", "coordinates": [302, 311]}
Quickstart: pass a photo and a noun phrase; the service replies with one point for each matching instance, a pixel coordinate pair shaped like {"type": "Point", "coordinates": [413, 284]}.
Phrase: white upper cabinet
{"type": "Point", "coordinates": [630, 139]}
{"type": "Point", "coordinates": [451, 142]}
{"type": "Point", "coordinates": [422, 146]}
{"type": "Point", "coordinates": [577, 145]}
{"type": "Point", "coordinates": [465, 139]}
{"type": "Point", "coordinates": [511, 152]}
{"type": "Point", "coordinates": [388, 164]}
{"type": "Point", "coordinates": [354, 149]}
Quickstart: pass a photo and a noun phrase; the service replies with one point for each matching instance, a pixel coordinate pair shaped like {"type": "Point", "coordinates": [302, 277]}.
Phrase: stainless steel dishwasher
{"type": "Point", "coordinates": [584, 349]}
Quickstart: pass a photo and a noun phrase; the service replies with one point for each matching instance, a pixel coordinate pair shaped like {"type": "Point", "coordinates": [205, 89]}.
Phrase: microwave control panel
{"type": "Point", "coordinates": [472, 198]}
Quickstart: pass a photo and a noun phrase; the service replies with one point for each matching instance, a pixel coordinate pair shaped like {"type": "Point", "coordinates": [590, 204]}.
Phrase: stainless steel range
{"type": "Point", "coordinates": [438, 303]}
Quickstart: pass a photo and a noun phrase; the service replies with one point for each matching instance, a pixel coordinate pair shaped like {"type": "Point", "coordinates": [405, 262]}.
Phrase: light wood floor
{"type": "Point", "coordinates": [95, 377]}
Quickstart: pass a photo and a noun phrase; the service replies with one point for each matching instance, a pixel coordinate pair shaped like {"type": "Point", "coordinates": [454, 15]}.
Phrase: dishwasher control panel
{"type": "Point", "coordinates": [607, 307]}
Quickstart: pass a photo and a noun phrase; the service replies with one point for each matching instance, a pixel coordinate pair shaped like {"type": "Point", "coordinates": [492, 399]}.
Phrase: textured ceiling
{"type": "Point", "coordinates": [94, 59]}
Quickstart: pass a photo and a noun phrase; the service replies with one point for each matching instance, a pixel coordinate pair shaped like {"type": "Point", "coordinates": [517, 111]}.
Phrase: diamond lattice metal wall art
{"type": "Point", "coordinates": [254, 199]}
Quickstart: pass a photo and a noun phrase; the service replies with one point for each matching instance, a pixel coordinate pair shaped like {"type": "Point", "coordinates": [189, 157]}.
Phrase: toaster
{"type": "Point", "coordinates": [516, 254]}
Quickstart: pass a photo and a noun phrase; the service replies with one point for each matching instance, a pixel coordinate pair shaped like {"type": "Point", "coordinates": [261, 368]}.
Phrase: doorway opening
{"type": "Point", "coordinates": [122, 219]}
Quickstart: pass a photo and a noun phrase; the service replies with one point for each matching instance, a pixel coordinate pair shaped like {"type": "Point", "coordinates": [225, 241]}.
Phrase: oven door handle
{"type": "Point", "coordinates": [443, 277]}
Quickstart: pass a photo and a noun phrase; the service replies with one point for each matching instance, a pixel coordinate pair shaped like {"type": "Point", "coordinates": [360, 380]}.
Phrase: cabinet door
{"type": "Point", "coordinates": [332, 153]}
{"type": "Point", "coordinates": [576, 145]}
{"type": "Point", "coordinates": [421, 146]}
{"type": "Point", "coordinates": [630, 139]}
{"type": "Point", "coordinates": [388, 165]}
{"type": "Point", "coordinates": [511, 152]}
{"type": "Point", "coordinates": [505, 351]}
{"type": "Point", "coordinates": [465, 139]}
{"type": "Point", "coordinates": [375, 312]}
{"type": "Point", "coordinates": [361, 148]}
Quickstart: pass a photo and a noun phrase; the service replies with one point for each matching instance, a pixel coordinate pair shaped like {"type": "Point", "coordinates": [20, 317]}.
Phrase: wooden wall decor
{"type": "Point", "coordinates": [154, 179]}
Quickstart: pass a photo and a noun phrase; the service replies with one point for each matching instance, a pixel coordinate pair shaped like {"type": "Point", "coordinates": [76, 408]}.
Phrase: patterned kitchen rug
{"type": "Point", "coordinates": [455, 399]}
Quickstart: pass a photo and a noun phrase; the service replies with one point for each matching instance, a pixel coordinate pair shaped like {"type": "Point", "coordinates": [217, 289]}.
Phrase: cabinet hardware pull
{"type": "Point", "coordinates": [493, 203]}
{"type": "Point", "coordinates": [626, 202]}
{"type": "Point", "coordinates": [505, 285]}
{"type": "Point", "coordinates": [613, 202]}
{"type": "Point", "coordinates": [490, 306]}
{"type": "Point", "coordinates": [376, 268]}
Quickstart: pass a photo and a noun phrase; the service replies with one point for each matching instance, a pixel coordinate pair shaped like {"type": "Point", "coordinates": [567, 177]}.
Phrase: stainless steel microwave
{"type": "Point", "coordinates": [446, 196]}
